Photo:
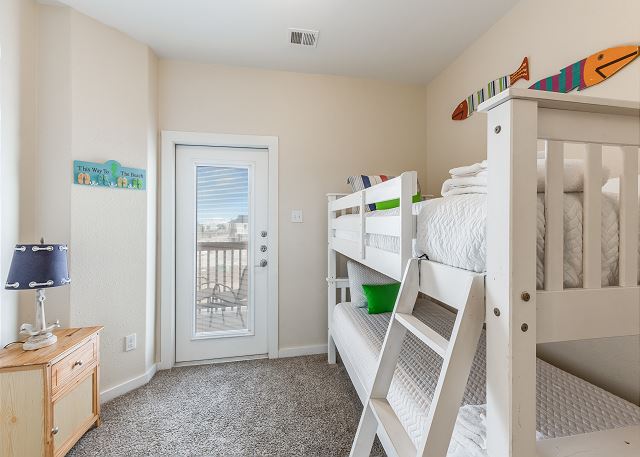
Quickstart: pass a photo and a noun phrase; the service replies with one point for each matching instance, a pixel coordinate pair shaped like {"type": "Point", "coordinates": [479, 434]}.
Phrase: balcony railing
{"type": "Point", "coordinates": [220, 262]}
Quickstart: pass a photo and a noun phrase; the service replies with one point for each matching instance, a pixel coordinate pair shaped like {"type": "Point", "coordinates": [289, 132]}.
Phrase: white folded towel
{"type": "Point", "coordinates": [469, 170]}
{"type": "Point", "coordinates": [473, 178]}
{"type": "Point", "coordinates": [468, 185]}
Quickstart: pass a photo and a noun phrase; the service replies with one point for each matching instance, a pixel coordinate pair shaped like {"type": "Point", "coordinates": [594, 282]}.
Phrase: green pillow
{"type": "Point", "coordinates": [396, 202]}
{"type": "Point", "coordinates": [381, 298]}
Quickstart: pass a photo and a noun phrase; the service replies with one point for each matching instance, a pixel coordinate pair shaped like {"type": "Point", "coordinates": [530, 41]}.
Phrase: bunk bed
{"type": "Point", "coordinates": [516, 313]}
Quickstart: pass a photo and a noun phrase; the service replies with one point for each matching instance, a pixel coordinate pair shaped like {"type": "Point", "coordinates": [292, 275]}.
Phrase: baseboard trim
{"type": "Point", "coordinates": [302, 350]}
{"type": "Point", "coordinates": [129, 385]}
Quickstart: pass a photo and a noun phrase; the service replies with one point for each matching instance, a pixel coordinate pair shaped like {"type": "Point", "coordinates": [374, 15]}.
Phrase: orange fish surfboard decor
{"type": "Point", "coordinates": [590, 71]}
{"type": "Point", "coordinates": [469, 105]}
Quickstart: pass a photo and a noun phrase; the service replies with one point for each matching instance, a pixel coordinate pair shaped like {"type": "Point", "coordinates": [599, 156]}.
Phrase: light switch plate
{"type": "Point", "coordinates": [130, 342]}
{"type": "Point", "coordinates": [296, 216]}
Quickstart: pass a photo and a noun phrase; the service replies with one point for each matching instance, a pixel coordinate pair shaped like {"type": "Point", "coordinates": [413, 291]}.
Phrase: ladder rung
{"type": "Point", "coordinates": [425, 333]}
{"type": "Point", "coordinates": [391, 431]}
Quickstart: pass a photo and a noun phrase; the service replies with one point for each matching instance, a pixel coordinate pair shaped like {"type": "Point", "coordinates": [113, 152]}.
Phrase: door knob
{"type": "Point", "coordinates": [262, 263]}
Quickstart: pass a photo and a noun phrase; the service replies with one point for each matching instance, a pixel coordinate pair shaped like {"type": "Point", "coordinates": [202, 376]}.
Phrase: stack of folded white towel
{"type": "Point", "coordinates": [472, 179]}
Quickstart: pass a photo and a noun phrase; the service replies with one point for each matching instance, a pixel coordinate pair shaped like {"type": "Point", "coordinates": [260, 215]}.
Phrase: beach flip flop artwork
{"type": "Point", "coordinates": [469, 105]}
{"type": "Point", "coordinates": [590, 71]}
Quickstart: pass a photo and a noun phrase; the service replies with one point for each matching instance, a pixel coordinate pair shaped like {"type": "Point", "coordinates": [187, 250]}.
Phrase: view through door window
{"type": "Point", "coordinates": [222, 273]}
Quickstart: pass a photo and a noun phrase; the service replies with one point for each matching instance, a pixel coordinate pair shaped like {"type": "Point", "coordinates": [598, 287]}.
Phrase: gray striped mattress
{"type": "Point", "coordinates": [566, 405]}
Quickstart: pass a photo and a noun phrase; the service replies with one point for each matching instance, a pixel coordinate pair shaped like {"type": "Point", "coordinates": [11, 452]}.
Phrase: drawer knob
{"type": "Point", "coordinates": [77, 363]}
{"type": "Point", "coordinates": [54, 431]}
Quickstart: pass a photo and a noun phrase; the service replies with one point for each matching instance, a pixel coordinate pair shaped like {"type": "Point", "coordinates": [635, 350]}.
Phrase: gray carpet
{"type": "Point", "coordinates": [284, 407]}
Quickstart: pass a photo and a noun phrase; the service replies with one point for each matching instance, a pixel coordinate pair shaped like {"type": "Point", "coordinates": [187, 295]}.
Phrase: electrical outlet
{"type": "Point", "coordinates": [130, 342]}
{"type": "Point", "coordinates": [296, 216]}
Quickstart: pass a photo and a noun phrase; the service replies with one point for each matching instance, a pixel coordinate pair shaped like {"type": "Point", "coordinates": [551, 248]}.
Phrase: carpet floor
{"type": "Point", "coordinates": [298, 406]}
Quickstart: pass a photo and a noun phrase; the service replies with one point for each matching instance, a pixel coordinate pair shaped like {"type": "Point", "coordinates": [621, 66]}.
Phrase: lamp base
{"type": "Point", "coordinates": [39, 341]}
{"type": "Point", "coordinates": [40, 334]}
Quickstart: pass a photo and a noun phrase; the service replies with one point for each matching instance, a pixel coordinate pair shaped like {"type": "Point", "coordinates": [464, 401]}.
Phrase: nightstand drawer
{"type": "Point", "coordinates": [73, 365]}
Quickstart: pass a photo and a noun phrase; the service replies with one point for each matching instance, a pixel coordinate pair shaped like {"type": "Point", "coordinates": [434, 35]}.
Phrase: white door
{"type": "Point", "coordinates": [221, 252]}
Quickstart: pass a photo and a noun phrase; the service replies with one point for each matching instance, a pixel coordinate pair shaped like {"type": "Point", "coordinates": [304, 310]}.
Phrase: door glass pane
{"type": "Point", "coordinates": [222, 234]}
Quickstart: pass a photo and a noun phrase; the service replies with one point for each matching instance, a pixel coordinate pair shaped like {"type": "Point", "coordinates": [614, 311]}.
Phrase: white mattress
{"type": "Point", "coordinates": [566, 405]}
{"type": "Point", "coordinates": [452, 231]}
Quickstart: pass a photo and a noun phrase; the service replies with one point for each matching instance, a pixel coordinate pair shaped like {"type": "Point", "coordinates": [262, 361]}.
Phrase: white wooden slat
{"type": "Point", "coordinates": [386, 262]}
{"type": "Point", "coordinates": [618, 442]}
{"type": "Point", "coordinates": [454, 373]}
{"type": "Point", "coordinates": [344, 246]}
{"type": "Point", "coordinates": [577, 314]}
{"type": "Point", "coordinates": [584, 128]}
{"type": "Point", "coordinates": [424, 333]}
{"type": "Point", "coordinates": [592, 218]}
{"type": "Point", "coordinates": [408, 185]}
{"type": "Point", "coordinates": [331, 284]}
{"type": "Point", "coordinates": [390, 189]}
{"type": "Point", "coordinates": [554, 216]}
{"type": "Point", "coordinates": [362, 216]}
{"type": "Point", "coordinates": [629, 217]}
{"type": "Point", "coordinates": [511, 270]}
{"type": "Point", "coordinates": [346, 224]}
{"type": "Point", "coordinates": [384, 225]}
{"type": "Point", "coordinates": [391, 432]}
{"type": "Point", "coordinates": [348, 201]}
{"type": "Point", "coordinates": [436, 280]}
{"type": "Point", "coordinates": [572, 102]}
{"type": "Point", "coordinates": [342, 283]}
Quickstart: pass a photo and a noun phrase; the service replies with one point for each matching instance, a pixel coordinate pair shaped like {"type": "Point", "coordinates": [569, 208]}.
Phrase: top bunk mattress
{"type": "Point", "coordinates": [452, 231]}
{"type": "Point", "coordinates": [566, 405]}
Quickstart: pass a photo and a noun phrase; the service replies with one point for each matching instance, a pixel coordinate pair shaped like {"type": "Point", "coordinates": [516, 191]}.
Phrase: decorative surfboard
{"type": "Point", "coordinates": [469, 105]}
{"type": "Point", "coordinates": [589, 71]}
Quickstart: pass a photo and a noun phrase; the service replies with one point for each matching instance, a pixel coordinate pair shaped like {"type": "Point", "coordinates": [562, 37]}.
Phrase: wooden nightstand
{"type": "Point", "coordinates": [49, 397]}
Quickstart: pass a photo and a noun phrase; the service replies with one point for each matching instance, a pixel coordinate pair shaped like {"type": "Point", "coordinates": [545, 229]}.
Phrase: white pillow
{"type": "Point", "coordinates": [613, 186]}
{"type": "Point", "coordinates": [573, 175]}
{"type": "Point", "coordinates": [359, 275]}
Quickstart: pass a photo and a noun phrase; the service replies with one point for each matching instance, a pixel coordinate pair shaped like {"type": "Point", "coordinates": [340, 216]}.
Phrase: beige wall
{"type": "Point", "coordinates": [18, 21]}
{"type": "Point", "coordinates": [97, 101]}
{"type": "Point", "coordinates": [552, 34]}
{"type": "Point", "coordinates": [328, 127]}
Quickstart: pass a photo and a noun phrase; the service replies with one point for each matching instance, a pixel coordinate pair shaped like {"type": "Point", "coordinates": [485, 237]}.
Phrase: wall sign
{"type": "Point", "coordinates": [108, 174]}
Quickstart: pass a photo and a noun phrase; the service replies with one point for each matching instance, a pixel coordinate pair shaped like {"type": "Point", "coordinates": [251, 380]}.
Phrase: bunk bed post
{"type": "Point", "coordinates": [331, 284]}
{"type": "Point", "coordinates": [511, 279]}
{"type": "Point", "coordinates": [408, 187]}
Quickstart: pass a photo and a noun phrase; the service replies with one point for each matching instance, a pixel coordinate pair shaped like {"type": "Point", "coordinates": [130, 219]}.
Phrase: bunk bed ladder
{"type": "Point", "coordinates": [457, 354]}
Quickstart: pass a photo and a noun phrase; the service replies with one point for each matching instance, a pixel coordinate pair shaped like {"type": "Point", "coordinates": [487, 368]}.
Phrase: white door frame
{"type": "Point", "coordinates": [171, 139]}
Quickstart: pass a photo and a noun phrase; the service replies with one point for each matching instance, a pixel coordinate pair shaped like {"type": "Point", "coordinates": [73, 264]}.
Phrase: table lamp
{"type": "Point", "coordinates": [37, 267]}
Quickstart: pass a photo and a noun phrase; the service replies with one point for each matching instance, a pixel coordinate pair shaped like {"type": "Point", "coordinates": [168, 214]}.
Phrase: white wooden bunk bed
{"type": "Point", "coordinates": [517, 316]}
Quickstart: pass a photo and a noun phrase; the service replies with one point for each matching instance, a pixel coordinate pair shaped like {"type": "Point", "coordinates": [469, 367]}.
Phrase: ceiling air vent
{"type": "Point", "coordinates": [303, 37]}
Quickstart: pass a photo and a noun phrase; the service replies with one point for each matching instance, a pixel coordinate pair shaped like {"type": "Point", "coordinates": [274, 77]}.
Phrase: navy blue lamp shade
{"type": "Point", "coordinates": [38, 266]}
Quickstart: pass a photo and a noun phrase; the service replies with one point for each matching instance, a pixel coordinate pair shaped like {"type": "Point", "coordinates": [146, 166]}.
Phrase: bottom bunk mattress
{"type": "Point", "coordinates": [566, 405]}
